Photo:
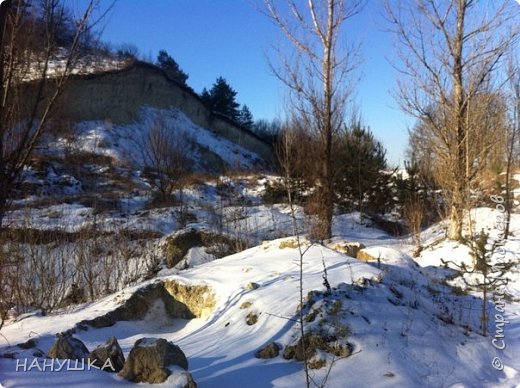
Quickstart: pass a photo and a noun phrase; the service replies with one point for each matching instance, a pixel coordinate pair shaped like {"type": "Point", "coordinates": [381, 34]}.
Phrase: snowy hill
{"type": "Point", "coordinates": [403, 324]}
{"type": "Point", "coordinates": [124, 144]}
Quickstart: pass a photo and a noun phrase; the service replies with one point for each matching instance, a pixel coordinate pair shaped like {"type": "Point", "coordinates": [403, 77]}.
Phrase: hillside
{"type": "Point", "coordinates": [117, 93]}
{"type": "Point", "coordinates": [393, 321]}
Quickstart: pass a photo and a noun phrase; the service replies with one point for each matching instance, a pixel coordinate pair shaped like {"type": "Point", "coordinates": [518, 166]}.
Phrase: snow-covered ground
{"type": "Point", "coordinates": [406, 326]}
{"type": "Point", "coordinates": [408, 323]}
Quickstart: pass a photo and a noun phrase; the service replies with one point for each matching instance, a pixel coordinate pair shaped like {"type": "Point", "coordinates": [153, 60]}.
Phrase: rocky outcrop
{"type": "Point", "coordinates": [350, 248]}
{"type": "Point", "coordinates": [176, 247]}
{"type": "Point", "coordinates": [271, 350]}
{"type": "Point", "coordinates": [180, 301]}
{"type": "Point", "coordinates": [365, 256]}
{"type": "Point", "coordinates": [199, 298]}
{"type": "Point", "coordinates": [108, 357]}
{"type": "Point", "coordinates": [149, 359]}
{"type": "Point", "coordinates": [67, 347]}
{"type": "Point", "coordinates": [144, 84]}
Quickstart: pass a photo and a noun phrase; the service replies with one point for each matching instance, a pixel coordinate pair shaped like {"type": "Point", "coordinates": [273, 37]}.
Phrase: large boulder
{"type": "Point", "coordinates": [108, 357]}
{"type": "Point", "coordinates": [67, 347]}
{"type": "Point", "coordinates": [149, 358]}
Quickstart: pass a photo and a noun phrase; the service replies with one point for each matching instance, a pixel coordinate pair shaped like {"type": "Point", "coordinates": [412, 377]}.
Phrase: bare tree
{"type": "Point", "coordinates": [450, 52]}
{"type": "Point", "coordinates": [30, 85]}
{"type": "Point", "coordinates": [318, 74]}
{"type": "Point", "coordinates": [291, 161]}
{"type": "Point", "coordinates": [31, 47]}
{"type": "Point", "coordinates": [164, 152]}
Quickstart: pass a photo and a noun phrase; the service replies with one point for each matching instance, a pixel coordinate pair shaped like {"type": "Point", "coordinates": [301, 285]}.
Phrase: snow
{"type": "Point", "coordinates": [398, 318]}
{"type": "Point", "coordinates": [124, 143]}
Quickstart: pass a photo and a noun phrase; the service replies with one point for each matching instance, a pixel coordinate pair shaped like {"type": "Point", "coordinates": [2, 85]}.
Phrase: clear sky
{"type": "Point", "coordinates": [230, 38]}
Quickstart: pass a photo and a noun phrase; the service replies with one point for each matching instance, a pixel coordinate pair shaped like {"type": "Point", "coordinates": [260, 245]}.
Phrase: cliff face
{"type": "Point", "coordinates": [117, 96]}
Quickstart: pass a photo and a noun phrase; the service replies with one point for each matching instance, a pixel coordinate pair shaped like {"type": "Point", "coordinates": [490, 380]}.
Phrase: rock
{"type": "Point", "coordinates": [67, 347]}
{"type": "Point", "coordinates": [180, 301]}
{"type": "Point", "coordinates": [251, 319]}
{"type": "Point", "coordinates": [108, 357]}
{"type": "Point", "coordinates": [313, 343]}
{"type": "Point", "coordinates": [296, 351]}
{"type": "Point", "coordinates": [365, 256]}
{"type": "Point", "coordinates": [38, 353]}
{"type": "Point", "coordinates": [246, 305]}
{"type": "Point", "coordinates": [316, 363]}
{"type": "Point", "coordinates": [252, 286]}
{"type": "Point", "coordinates": [149, 358]}
{"type": "Point", "coordinates": [137, 306]}
{"type": "Point", "coordinates": [350, 248]}
{"type": "Point", "coordinates": [29, 344]}
{"type": "Point", "coordinates": [291, 243]}
{"type": "Point", "coordinates": [271, 350]}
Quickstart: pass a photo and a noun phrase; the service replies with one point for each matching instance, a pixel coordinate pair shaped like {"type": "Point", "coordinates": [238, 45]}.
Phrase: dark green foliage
{"type": "Point", "coordinates": [361, 182]}
{"type": "Point", "coordinates": [171, 67]}
{"type": "Point", "coordinates": [221, 98]}
{"type": "Point", "coordinates": [268, 130]}
{"type": "Point", "coordinates": [245, 117]}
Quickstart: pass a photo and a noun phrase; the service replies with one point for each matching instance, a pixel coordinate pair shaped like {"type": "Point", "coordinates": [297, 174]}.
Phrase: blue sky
{"type": "Point", "coordinates": [230, 38]}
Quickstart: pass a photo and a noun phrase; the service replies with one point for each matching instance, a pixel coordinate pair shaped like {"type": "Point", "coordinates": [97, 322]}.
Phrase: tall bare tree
{"type": "Point", "coordinates": [31, 46]}
{"type": "Point", "coordinates": [32, 80]}
{"type": "Point", "coordinates": [450, 53]}
{"type": "Point", "coordinates": [318, 73]}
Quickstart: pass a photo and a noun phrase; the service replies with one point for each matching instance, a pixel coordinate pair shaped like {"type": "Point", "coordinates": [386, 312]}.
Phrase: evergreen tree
{"type": "Point", "coordinates": [245, 117]}
{"type": "Point", "coordinates": [268, 130]}
{"type": "Point", "coordinates": [171, 67]}
{"type": "Point", "coordinates": [221, 99]}
{"type": "Point", "coordinates": [360, 182]}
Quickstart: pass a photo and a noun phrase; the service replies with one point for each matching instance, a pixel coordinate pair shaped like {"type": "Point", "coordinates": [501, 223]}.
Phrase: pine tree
{"type": "Point", "coordinates": [359, 181]}
{"type": "Point", "coordinates": [245, 117]}
{"type": "Point", "coordinates": [171, 67]}
{"type": "Point", "coordinates": [221, 99]}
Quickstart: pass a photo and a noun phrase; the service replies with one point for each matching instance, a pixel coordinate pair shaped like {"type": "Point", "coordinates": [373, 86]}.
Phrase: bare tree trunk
{"type": "Point", "coordinates": [318, 78]}
{"type": "Point", "coordinates": [286, 159]}
{"type": "Point", "coordinates": [5, 7]}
